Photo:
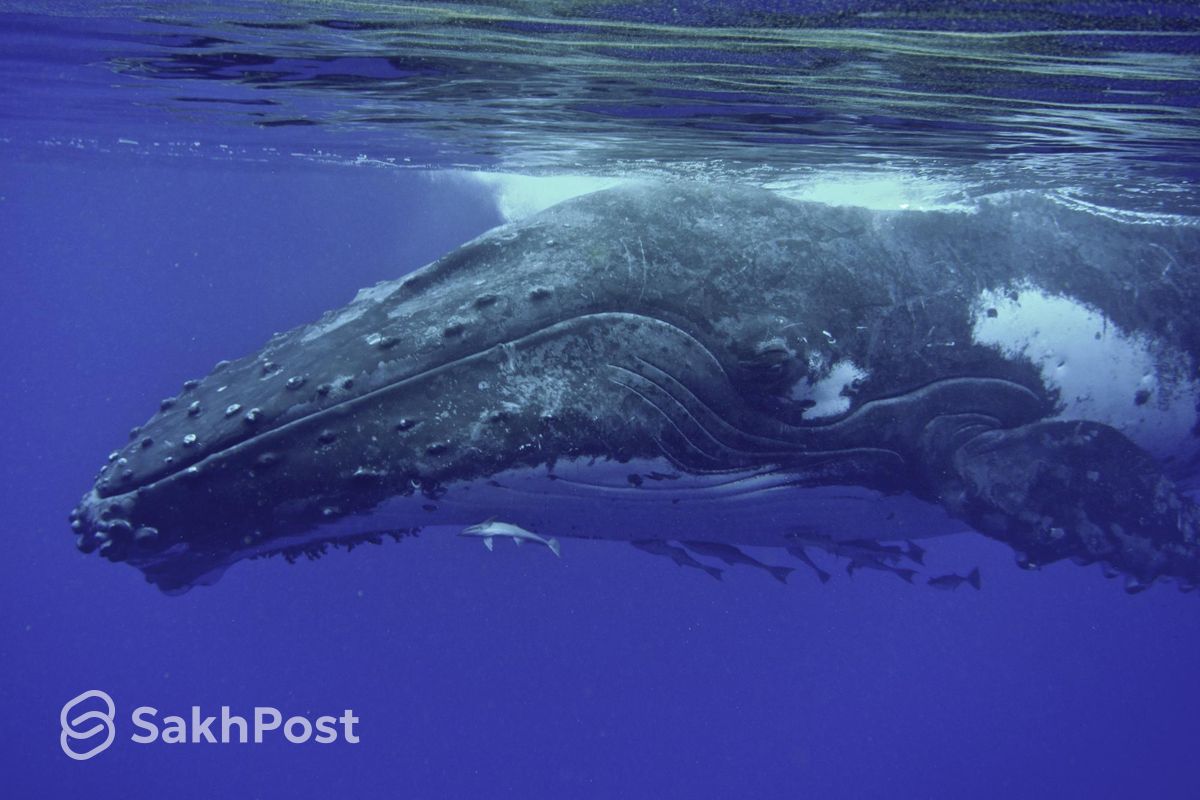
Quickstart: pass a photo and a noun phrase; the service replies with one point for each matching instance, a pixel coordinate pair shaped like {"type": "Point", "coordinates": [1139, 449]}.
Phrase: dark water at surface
{"type": "Point", "coordinates": [179, 180]}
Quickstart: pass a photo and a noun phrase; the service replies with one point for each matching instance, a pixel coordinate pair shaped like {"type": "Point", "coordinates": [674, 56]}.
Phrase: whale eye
{"type": "Point", "coordinates": [767, 360]}
{"type": "Point", "coordinates": [772, 352]}
{"type": "Point", "coordinates": [768, 366]}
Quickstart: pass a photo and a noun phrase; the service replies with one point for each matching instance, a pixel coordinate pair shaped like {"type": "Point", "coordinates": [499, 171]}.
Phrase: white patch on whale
{"type": "Point", "coordinates": [1126, 380]}
{"type": "Point", "coordinates": [828, 393]}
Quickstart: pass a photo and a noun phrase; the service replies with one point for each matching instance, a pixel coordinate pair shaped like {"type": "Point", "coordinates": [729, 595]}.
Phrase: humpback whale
{"type": "Point", "coordinates": [705, 363]}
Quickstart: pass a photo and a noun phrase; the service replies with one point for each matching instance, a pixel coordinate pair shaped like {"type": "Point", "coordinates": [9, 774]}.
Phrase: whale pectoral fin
{"type": "Point", "coordinates": [488, 543]}
{"type": "Point", "coordinates": [1079, 490]}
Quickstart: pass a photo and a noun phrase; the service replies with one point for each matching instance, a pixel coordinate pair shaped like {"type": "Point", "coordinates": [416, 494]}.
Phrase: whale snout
{"type": "Point", "coordinates": [107, 525]}
{"type": "Point", "coordinates": [113, 528]}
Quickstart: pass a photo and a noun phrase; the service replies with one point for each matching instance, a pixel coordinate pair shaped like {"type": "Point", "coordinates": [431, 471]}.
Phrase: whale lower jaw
{"type": "Point", "coordinates": [637, 500]}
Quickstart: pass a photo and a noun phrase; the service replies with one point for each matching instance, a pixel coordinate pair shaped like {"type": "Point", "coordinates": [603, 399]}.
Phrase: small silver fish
{"type": "Point", "coordinates": [490, 529]}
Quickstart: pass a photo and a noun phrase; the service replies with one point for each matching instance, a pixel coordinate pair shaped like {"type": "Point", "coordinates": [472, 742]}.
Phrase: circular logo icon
{"type": "Point", "coordinates": [73, 732]}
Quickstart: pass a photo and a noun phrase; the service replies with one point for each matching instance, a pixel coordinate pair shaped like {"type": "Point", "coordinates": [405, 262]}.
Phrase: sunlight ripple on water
{"type": "Point", "coordinates": [972, 99]}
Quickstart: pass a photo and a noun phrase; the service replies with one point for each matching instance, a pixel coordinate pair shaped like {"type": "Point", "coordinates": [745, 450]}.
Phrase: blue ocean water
{"type": "Point", "coordinates": [177, 182]}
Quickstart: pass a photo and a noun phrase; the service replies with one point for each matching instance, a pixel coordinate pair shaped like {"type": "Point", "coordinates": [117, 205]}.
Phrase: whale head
{"type": "Point", "coordinates": [645, 363]}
